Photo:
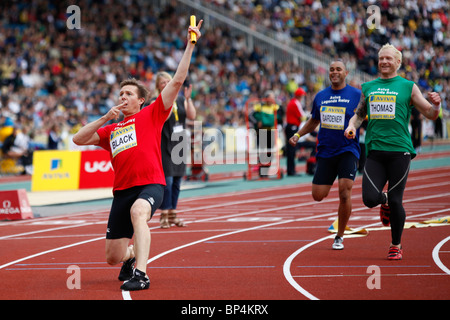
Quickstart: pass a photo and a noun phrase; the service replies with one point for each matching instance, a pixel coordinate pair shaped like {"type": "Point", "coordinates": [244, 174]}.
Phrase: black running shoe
{"type": "Point", "coordinates": [139, 281]}
{"type": "Point", "coordinates": [126, 272]}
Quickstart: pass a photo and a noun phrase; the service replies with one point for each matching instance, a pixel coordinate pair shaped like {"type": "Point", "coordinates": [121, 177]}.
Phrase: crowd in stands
{"type": "Point", "coordinates": [420, 29]}
{"type": "Point", "coordinates": [54, 79]}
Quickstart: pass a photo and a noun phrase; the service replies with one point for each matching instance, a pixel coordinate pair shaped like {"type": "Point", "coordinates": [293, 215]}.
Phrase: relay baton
{"type": "Point", "coordinates": [193, 34]}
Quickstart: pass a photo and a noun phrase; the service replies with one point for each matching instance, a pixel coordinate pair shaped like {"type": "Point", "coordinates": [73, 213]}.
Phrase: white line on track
{"type": "Point", "coordinates": [365, 275]}
{"type": "Point", "coordinates": [288, 262]}
{"type": "Point", "coordinates": [286, 268]}
{"type": "Point", "coordinates": [45, 230]}
{"type": "Point", "coordinates": [72, 215]}
{"type": "Point", "coordinates": [49, 251]}
{"type": "Point", "coordinates": [100, 238]}
{"type": "Point", "coordinates": [203, 220]}
{"type": "Point", "coordinates": [435, 255]}
{"type": "Point", "coordinates": [126, 294]}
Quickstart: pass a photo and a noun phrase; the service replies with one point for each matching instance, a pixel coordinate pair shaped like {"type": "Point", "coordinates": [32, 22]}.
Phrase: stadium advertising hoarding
{"type": "Point", "coordinates": [14, 205]}
{"type": "Point", "coordinates": [96, 170]}
{"type": "Point", "coordinates": [71, 170]}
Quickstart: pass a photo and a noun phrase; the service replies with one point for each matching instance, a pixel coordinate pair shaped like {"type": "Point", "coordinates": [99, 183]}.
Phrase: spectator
{"type": "Point", "coordinates": [54, 138]}
{"type": "Point", "coordinates": [45, 65]}
{"type": "Point", "coordinates": [173, 132]}
{"type": "Point", "coordinates": [294, 117]}
{"type": "Point", "coordinates": [17, 146]}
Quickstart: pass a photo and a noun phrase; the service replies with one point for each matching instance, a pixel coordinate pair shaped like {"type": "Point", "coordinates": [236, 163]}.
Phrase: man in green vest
{"type": "Point", "coordinates": [263, 118]}
{"type": "Point", "coordinates": [388, 101]}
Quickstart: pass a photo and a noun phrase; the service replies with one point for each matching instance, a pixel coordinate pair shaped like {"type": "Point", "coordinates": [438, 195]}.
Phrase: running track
{"type": "Point", "coordinates": [264, 244]}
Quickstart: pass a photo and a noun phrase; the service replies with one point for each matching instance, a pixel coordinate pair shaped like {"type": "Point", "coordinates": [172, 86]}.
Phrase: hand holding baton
{"type": "Point", "coordinates": [349, 133]}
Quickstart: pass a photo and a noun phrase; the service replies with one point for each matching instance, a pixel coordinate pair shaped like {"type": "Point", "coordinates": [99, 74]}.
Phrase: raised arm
{"type": "Point", "coordinates": [429, 110]}
{"type": "Point", "coordinates": [170, 91]}
{"type": "Point", "coordinates": [356, 121]}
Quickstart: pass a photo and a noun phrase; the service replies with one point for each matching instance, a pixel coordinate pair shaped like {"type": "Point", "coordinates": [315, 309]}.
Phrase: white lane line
{"type": "Point", "coordinates": [49, 251]}
{"type": "Point", "coordinates": [288, 262]}
{"type": "Point", "coordinates": [45, 230]}
{"type": "Point", "coordinates": [126, 294]}
{"type": "Point", "coordinates": [251, 212]}
{"type": "Point", "coordinates": [435, 255]}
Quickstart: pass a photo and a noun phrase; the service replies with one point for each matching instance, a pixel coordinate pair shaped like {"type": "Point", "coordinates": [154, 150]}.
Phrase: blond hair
{"type": "Point", "coordinates": [397, 53]}
{"type": "Point", "coordinates": [160, 75]}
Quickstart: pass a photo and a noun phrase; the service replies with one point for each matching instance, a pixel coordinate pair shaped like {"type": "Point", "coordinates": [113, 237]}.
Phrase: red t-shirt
{"type": "Point", "coordinates": [134, 145]}
{"type": "Point", "coordinates": [294, 112]}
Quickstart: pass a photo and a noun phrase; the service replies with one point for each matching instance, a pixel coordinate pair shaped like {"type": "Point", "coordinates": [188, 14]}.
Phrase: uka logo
{"type": "Point", "coordinates": [102, 166]}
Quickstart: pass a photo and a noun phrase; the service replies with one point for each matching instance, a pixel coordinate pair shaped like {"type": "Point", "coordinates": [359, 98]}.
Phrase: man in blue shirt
{"type": "Point", "coordinates": [336, 155]}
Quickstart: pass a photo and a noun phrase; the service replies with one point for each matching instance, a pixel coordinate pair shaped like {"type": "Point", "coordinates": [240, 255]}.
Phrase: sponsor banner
{"type": "Point", "coordinates": [96, 170]}
{"type": "Point", "coordinates": [55, 170]}
{"type": "Point", "coordinates": [14, 205]}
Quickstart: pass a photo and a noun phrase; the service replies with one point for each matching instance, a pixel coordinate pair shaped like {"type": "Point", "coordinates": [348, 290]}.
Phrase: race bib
{"type": "Point", "coordinates": [332, 117]}
{"type": "Point", "coordinates": [123, 139]}
{"type": "Point", "coordinates": [382, 106]}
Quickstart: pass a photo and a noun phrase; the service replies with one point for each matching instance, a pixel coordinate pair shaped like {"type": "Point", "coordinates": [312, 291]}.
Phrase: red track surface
{"type": "Point", "coordinates": [266, 244]}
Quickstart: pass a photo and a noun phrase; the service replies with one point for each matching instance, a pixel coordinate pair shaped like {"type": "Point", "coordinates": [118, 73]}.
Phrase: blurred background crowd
{"type": "Point", "coordinates": [54, 79]}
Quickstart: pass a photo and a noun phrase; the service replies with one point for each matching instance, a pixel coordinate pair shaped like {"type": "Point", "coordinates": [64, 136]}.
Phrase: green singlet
{"type": "Point", "coordinates": [389, 107]}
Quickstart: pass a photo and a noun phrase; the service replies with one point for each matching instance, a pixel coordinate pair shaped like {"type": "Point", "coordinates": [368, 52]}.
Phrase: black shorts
{"type": "Point", "coordinates": [343, 165]}
{"type": "Point", "coordinates": [119, 222]}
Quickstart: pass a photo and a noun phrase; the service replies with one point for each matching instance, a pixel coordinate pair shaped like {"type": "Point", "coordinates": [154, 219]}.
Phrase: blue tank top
{"type": "Point", "coordinates": [334, 109]}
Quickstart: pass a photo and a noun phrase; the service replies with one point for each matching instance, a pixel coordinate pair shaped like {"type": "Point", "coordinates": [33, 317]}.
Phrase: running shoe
{"type": "Point", "coordinates": [385, 213]}
{"type": "Point", "coordinates": [338, 243]}
{"type": "Point", "coordinates": [139, 281]}
{"type": "Point", "coordinates": [395, 253]}
{"type": "Point", "coordinates": [126, 272]}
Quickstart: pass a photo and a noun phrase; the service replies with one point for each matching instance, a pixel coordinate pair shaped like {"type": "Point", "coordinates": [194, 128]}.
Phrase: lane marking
{"type": "Point", "coordinates": [288, 262]}
{"type": "Point", "coordinates": [365, 275]}
{"type": "Point", "coordinates": [13, 223]}
{"type": "Point", "coordinates": [165, 267]}
{"type": "Point", "coordinates": [385, 266]}
{"type": "Point", "coordinates": [257, 241]}
{"type": "Point", "coordinates": [126, 294]}
{"type": "Point", "coordinates": [436, 258]}
{"type": "Point", "coordinates": [49, 251]}
{"type": "Point", "coordinates": [100, 238]}
{"type": "Point", "coordinates": [45, 230]}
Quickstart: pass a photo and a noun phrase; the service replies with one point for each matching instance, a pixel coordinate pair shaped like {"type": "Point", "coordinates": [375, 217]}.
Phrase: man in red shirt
{"type": "Point", "coordinates": [135, 149]}
{"type": "Point", "coordinates": [294, 114]}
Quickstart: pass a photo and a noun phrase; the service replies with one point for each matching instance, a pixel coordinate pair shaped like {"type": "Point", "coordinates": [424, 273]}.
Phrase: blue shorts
{"type": "Point", "coordinates": [171, 193]}
{"type": "Point", "coordinates": [343, 165]}
{"type": "Point", "coordinates": [119, 222]}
